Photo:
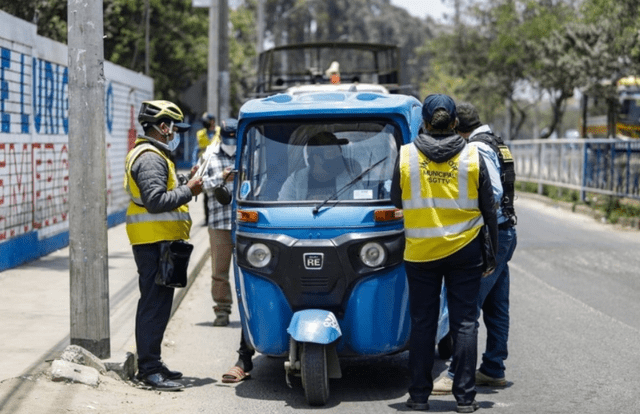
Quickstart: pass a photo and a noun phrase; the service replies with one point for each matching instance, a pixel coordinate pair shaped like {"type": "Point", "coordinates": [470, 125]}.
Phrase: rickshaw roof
{"type": "Point", "coordinates": [331, 104]}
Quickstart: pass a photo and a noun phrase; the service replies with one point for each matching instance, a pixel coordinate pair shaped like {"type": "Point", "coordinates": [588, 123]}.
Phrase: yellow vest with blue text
{"type": "Point", "coordinates": [440, 203]}
{"type": "Point", "coordinates": [144, 227]}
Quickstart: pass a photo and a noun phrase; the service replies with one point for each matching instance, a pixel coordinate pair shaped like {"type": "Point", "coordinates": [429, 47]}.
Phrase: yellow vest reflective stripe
{"type": "Point", "coordinates": [440, 203]}
{"type": "Point", "coordinates": [144, 227]}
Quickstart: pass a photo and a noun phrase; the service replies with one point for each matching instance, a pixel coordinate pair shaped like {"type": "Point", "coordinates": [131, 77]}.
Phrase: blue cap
{"type": "Point", "coordinates": [228, 129]}
{"type": "Point", "coordinates": [438, 101]}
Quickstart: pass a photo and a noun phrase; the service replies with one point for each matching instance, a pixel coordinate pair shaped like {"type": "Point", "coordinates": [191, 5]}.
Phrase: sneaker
{"type": "Point", "coordinates": [482, 379]}
{"type": "Point", "coordinates": [468, 408]}
{"type": "Point", "coordinates": [222, 319]}
{"type": "Point", "coordinates": [442, 386]}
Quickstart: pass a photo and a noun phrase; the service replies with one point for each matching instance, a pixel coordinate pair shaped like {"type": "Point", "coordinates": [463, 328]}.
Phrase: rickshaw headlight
{"type": "Point", "coordinates": [373, 254]}
{"type": "Point", "coordinates": [258, 255]}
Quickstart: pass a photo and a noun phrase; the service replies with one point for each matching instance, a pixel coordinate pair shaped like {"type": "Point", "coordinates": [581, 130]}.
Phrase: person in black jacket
{"type": "Point", "coordinates": [443, 187]}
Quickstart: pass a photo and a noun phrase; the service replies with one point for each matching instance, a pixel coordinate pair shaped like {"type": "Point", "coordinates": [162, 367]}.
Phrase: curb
{"type": "Point", "coordinates": [625, 223]}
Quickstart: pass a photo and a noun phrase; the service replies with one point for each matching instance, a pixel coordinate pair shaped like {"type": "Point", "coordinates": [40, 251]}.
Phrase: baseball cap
{"type": "Point", "coordinates": [228, 129]}
{"type": "Point", "coordinates": [326, 138]}
{"type": "Point", "coordinates": [468, 117]}
{"type": "Point", "coordinates": [437, 101]}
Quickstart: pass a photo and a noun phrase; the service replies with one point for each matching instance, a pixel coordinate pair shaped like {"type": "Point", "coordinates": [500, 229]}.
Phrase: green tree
{"type": "Point", "coordinates": [609, 35]}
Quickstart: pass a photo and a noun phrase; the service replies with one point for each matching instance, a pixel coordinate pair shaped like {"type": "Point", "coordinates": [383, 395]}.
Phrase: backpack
{"type": "Point", "coordinates": [507, 172]}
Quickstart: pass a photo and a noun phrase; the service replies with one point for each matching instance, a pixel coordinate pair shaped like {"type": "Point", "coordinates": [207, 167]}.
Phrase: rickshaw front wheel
{"type": "Point", "coordinates": [315, 376]}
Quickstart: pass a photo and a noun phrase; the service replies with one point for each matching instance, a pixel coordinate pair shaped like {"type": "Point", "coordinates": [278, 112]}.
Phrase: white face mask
{"type": "Point", "coordinates": [230, 150]}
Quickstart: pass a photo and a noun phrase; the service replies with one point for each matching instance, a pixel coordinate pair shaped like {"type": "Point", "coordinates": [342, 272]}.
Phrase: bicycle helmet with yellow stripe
{"type": "Point", "coordinates": [155, 112]}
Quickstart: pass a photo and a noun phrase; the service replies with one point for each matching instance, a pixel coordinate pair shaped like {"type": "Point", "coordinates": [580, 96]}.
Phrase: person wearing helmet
{"type": "Point", "coordinates": [219, 172]}
{"type": "Point", "coordinates": [208, 135]}
{"type": "Point", "coordinates": [157, 213]}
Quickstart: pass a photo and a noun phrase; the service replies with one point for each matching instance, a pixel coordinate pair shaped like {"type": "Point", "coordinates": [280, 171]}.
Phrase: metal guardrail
{"type": "Point", "coordinates": [604, 166]}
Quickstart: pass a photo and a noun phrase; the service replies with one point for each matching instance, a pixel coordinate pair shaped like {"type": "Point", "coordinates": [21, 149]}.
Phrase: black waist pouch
{"type": "Point", "coordinates": [174, 261]}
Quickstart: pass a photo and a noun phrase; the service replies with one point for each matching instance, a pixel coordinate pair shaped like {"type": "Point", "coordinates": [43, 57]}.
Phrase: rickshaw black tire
{"type": "Point", "coordinates": [315, 376]}
{"type": "Point", "coordinates": [445, 347]}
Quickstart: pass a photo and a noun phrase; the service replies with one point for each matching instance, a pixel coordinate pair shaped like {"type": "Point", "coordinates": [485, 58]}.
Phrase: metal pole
{"type": "Point", "coordinates": [260, 44]}
{"type": "Point", "coordinates": [147, 18]}
{"type": "Point", "coordinates": [212, 79]}
{"type": "Point", "coordinates": [89, 271]}
{"type": "Point", "coordinates": [224, 59]}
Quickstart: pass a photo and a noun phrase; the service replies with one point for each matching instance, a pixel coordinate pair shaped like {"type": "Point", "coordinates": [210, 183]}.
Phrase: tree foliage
{"type": "Point", "coordinates": [491, 49]}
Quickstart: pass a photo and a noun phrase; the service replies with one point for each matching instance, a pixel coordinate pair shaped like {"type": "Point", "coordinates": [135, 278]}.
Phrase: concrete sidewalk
{"type": "Point", "coordinates": [35, 304]}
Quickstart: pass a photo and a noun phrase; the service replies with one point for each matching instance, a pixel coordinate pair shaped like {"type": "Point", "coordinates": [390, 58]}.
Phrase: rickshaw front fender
{"type": "Point", "coordinates": [314, 325]}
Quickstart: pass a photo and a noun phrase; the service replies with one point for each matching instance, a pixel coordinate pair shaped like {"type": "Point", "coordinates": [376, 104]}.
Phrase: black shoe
{"type": "Point", "coordinates": [468, 408]}
{"type": "Point", "coordinates": [171, 375]}
{"type": "Point", "coordinates": [159, 381]}
{"type": "Point", "coordinates": [418, 406]}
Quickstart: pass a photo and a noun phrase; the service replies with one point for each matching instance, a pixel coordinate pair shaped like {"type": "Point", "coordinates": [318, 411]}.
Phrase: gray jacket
{"type": "Point", "coordinates": [151, 173]}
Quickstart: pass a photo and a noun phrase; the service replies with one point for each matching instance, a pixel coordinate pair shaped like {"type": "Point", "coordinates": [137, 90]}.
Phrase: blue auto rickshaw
{"type": "Point", "coordinates": [320, 279]}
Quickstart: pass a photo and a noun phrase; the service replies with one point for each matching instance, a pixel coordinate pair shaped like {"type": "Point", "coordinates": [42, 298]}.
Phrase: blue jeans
{"type": "Point", "coordinates": [493, 301]}
{"type": "Point", "coordinates": [461, 273]}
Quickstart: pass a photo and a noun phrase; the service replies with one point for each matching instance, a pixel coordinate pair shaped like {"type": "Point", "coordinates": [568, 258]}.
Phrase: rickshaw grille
{"type": "Point", "coordinates": [314, 282]}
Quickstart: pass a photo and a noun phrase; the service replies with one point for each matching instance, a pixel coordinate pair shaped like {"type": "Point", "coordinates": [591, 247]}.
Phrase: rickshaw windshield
{"type": "Point", "coordinates": [349, 161]}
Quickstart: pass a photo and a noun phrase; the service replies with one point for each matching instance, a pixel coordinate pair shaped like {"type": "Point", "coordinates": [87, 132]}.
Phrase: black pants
{"type": "Point", "coordinates": [461, 272]}
{"type": "Point", "coordinates": [154, 309]}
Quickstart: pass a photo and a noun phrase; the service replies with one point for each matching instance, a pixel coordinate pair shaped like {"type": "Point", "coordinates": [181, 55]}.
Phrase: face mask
{"type": "Point", "coordinates": [229, 149]}
{"type": "Point", "coordinates": [173, 144]}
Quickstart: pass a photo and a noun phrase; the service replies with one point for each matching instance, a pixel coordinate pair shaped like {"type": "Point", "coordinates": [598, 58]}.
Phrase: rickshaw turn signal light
{"type": "Point", "coordinates": [388, 215]}
{"type": "Point", "coordinates": [247, 216]}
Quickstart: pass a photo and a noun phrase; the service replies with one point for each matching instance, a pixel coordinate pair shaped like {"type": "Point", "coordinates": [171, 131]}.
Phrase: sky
{"type": "Point", "coordinates": [424, 8]}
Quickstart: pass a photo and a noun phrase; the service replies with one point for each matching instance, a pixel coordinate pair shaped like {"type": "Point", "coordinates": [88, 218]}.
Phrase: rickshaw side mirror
{"type": "Point", "coordinates": [222, 194]}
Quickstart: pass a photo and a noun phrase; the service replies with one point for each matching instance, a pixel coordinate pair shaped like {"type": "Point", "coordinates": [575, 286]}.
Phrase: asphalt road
{"type": "Point", "coordinates": [574, 344]}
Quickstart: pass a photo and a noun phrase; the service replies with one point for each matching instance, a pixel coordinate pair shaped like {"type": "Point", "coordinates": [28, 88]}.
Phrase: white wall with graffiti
{"type": "Point", "coordinates": [34, 156]}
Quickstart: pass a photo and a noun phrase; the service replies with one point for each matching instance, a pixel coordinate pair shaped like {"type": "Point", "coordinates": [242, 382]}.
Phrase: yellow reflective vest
{"type": "Point", "coordinates": [144, 227]}
{"type": "Point", "coordinates": [440, 203]}
{"type": "Point", "coordinates": [204, 141]}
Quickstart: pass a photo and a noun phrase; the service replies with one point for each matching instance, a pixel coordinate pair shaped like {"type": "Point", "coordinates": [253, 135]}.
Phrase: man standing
{"type": "Point", "coordinates": [443, 187]}
{"type": "Point", "coordinates": [220, 218]}
{"type": "Point", "coordinates": [494, 289]}
{"type": "Point", "coordinates": [158, 212]}
{"type": "Point", "coordinates": [209, 134]}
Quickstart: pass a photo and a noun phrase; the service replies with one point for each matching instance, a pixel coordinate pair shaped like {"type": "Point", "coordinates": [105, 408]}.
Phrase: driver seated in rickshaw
{"type": "Point", "coordinates": [326, 172]}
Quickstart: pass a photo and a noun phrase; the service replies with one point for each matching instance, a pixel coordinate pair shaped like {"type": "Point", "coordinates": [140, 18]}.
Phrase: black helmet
{"type": "Point", "coordinates": [154, 112]}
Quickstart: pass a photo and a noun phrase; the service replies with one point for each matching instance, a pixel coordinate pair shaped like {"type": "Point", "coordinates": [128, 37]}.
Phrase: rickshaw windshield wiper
{"type": "Point", "coordinates": [347, 185]}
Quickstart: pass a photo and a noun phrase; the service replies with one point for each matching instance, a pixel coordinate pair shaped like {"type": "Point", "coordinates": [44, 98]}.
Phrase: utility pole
{"type": "Point", "coordinates": [147, 18]}
{"type": "Point", "coordinates": [224, 59]}
{"type": "Point", "coordinates": [260, 26]}
{"type": "Point", "coordinates": [89, 277]}
{"type": "Point", "coordinates": [212, 75]}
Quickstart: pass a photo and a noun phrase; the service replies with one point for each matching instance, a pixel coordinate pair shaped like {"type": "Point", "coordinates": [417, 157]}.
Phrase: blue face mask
{"type": "Point", "coordinates": [173, 144]}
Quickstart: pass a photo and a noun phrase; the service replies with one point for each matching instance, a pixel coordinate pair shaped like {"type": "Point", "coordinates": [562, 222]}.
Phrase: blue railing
{"type": "Point", "coordinates": [604, 166]}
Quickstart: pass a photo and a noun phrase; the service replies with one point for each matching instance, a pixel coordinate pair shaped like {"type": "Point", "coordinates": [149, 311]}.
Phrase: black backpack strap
{"type": "Point", "coordinates": [507, 171]}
